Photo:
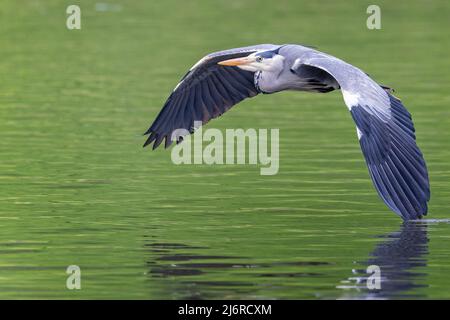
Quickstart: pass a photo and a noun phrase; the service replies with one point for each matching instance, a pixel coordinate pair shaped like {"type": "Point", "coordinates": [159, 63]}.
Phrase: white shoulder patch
{"type": "Point", "coordinates": [359, 133]}
{"type": "Point", "coordinates": [351, 99]}
{"type": "Point", "coordinates": [296, 64]}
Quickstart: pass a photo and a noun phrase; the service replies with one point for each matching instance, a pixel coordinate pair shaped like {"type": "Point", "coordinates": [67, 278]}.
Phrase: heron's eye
{"type": "Point", "coordinates": [259, 59]}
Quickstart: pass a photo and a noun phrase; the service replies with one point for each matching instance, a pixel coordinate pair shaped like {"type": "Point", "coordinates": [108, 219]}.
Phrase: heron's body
{"type": "Point", "coordinates": [384, 127]}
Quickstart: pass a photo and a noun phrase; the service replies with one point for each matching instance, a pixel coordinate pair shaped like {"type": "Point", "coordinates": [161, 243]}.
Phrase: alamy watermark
{"type": "Point", "coordinates": [74, 19]}
{"type": "Point", "coordinates": [374, 19]}
{"type": "Point", "coordinates": [73, 281]}
{"type": "Point", "coordinates": [228, 149]}
{"type": "Point", "coordinates": [374, 280]}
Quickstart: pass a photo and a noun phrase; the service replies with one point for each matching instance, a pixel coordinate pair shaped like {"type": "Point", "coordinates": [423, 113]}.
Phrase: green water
{"type": "Point", "coordinates": [77, 188]}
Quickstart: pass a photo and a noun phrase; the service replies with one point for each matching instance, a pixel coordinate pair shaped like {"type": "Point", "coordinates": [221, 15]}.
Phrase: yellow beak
{"type": "Point", "coordinates": [236, 61]}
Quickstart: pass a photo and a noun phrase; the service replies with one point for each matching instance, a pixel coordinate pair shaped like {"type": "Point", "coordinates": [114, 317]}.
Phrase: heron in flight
{"type": "Point", "coordinates": [383, 125]}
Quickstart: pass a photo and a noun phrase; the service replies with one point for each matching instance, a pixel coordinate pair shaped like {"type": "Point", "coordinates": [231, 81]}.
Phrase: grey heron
{"type": "Point", "coordinates": [384, 127]}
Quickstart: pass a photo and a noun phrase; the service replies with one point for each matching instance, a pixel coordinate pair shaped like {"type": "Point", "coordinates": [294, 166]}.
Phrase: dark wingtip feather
{"type": "Point", "coordinates": [149, 130]}
{"type": "Point", "coordinates": [146, 143]}
{"type": "Point", "coordinates": [158, 141]}
{"type": "Point", "coordinates": [150, 139]}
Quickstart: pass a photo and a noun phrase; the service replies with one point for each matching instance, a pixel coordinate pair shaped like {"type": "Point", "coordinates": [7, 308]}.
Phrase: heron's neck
{"type": "Point", "coordinates": [257, 81]}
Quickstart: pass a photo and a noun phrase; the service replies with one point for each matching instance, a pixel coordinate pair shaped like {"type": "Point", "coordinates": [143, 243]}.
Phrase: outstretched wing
{"type": "Point", "coordinates": [204, 93]}
{"type": "Point", "coordinates": [386, 135]}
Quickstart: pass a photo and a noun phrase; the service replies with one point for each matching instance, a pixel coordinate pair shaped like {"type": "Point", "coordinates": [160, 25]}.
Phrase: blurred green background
{"type": "Point", "coordinates": [76, 187]}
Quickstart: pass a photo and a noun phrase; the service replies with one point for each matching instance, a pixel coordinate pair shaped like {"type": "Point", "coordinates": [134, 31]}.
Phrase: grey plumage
{"type": "Point", "coordinates": [384, 126]}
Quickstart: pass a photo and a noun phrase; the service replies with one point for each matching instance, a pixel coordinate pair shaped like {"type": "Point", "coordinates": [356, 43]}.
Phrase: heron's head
{"type": "Point", "coordinates": [257, 61]}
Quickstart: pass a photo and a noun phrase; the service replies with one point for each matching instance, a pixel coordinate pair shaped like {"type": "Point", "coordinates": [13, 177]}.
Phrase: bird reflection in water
{"type": "Point", "coordinates": [398, 256]}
